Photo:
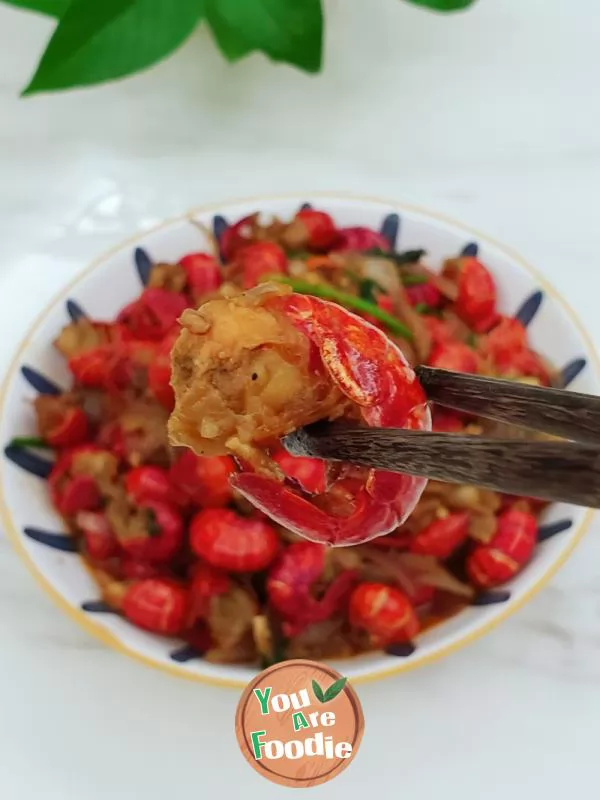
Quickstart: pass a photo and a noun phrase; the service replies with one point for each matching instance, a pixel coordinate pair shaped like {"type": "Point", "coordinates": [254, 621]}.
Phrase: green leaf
{"type": "Point", "coordinates": [285, 30]}
{"type": "Point", "coordinates": [444, 5]}
{"type": "Point", "coordinates": [53, 8]}
{"type": "Point", "coordinates": [232, 43]}
{"type": "Point", "coordinates": [318, 692]}
{"type": "Point", "coordinates": [100, 40]}
{"type": "Point", "coordinates": [335, 689]}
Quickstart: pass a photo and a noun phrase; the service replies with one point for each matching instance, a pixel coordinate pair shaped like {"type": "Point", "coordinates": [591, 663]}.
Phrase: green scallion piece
{"type": "Point", "coordinates": [301, 255]}
{"type": "Point", "coordinates": [407, 257]}
{"type": "Point", "coordinates": [423, 308]}
{"type": "Point", "coordinates": [348, 301]}
{"type": "Point", "coordinates": [414, 280]}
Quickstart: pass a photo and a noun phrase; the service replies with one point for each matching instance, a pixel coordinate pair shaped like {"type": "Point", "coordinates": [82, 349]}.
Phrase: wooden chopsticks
{"type": "Point", "coordinates": [558, 412]}
{"type": "Point", "coordinates": [567, 471]}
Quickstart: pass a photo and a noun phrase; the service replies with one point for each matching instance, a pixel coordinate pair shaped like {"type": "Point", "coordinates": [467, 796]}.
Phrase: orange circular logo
{"type": "Point", "coordinates": [299, 723]}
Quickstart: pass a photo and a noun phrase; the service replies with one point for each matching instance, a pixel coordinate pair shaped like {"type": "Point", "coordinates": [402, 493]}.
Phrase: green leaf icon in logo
{"type": "Point", "coordinates": [335, 689]}
{"type": "Point", "coordinates": [318, 692]}
{"type": "Point", "coordinates": [331, 693]}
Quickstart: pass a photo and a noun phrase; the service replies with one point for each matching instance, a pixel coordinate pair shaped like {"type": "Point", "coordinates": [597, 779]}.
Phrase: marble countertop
{"type": "Point", "coordinates": [491, 117]}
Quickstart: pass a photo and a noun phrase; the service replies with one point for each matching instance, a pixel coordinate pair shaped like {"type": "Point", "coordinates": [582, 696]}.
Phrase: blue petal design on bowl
{"type": "Point", "coordinates": [546, 532]}
{"type": "Point", "coordinates": [390, 228]}
{"type": "Point", "coordinates": [143, 264]}
{"type": "Point", "coordinates": [184, 654]}
{"type": "Point", "coordinates": [491, 598]}
{"type": "Point", "coordinates": [572, 370]}
{"type": "Point", "coordinates": [470, 249]}
{"type": "Point", "coordinates": [39, 382]}
{"type": "Point", "coordinates": [30, 462]}
{"type": "Point", "coordinates": [75, 311]}
{"type": "Point", "coordinates": [401, 650]}
{"type": "Point", "coordinates": [57, 541]}
{"type": "Point", "coordinates": [97, 607]}
{"type": "Point", "coordinates": [529, 308]}
{"type": "Point", "coordinates": [220, 225]}
{"type": "Point", "coordinates": [305, 207]}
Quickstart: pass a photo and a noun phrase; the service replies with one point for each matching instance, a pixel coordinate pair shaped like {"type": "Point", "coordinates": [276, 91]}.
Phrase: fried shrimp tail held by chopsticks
{"type": "Point", "coordinates": [249, 369]}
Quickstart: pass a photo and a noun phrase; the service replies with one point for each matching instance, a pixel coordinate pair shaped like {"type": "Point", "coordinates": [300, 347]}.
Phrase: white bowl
{"type": "Point", "coordinates": [114, 279]}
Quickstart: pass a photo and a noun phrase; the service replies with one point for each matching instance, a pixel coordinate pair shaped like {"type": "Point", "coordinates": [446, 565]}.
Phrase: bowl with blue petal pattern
{"type": "Point", "coordinates": [116, 278]}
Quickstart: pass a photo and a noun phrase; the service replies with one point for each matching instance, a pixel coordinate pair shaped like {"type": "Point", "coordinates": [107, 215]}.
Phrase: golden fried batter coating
{"type": "Point", "coordinates": [244, 376]}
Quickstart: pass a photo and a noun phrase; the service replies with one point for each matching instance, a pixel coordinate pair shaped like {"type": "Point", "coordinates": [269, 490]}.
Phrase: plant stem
{"type": "Point", "coordinates": [349, 301]}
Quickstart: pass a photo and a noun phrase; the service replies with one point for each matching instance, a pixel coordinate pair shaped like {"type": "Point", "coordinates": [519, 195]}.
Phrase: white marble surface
{"type": "Point", "coordinates": [491, 117]}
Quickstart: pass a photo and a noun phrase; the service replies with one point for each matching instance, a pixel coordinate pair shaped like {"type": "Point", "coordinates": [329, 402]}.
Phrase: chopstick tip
{"type": "Point", "coordinates": [302, 441]}
{"type": "Point", "coordinates": [292, 442]}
